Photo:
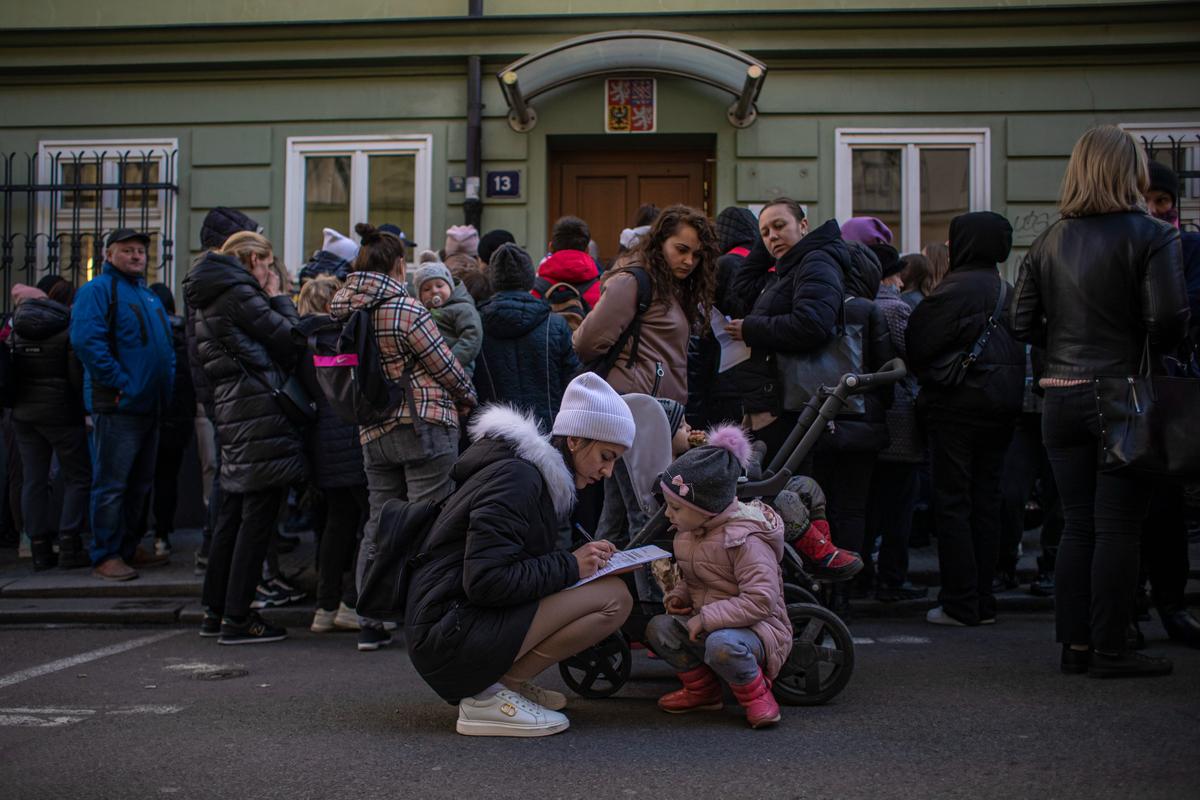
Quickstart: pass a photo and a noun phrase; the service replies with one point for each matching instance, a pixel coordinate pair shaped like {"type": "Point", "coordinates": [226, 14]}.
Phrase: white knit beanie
{"type": "Point", "coordinates": [591, 409]}
{"type": "Point", "coordinates": [341, 246]}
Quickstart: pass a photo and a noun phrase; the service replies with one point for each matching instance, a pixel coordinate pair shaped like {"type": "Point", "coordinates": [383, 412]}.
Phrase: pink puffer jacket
{"type": "Point", "coordinates": [732, 578]}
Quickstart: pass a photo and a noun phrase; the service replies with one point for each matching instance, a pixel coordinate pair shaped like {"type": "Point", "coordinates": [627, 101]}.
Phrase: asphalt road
{"type": "Point", "coordinates": [930, 712]}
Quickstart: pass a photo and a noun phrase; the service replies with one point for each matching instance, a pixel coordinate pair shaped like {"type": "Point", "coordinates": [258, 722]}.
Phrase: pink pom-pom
{"type": "Point", "coordinates": [733, 439]}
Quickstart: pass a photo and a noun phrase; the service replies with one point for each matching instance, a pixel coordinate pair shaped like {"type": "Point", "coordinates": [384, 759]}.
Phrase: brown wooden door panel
{"type": "Point", "coordinates": [606, 188]}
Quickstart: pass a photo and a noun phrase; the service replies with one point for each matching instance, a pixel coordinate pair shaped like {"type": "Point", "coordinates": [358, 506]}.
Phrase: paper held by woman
{"type": "Point", "coordinates": [625, 560]}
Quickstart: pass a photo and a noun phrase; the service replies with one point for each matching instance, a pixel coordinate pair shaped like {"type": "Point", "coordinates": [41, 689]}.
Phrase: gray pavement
{"type": "Point", "coordinates": [930, 712]}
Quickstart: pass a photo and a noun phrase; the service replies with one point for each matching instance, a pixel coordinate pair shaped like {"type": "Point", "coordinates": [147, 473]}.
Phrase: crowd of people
{"type": "Point", "coordinates": [514, 371]}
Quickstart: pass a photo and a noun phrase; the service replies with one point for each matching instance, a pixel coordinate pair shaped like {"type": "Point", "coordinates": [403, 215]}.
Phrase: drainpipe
{"type": "Point", "coordinates": [472, 203]}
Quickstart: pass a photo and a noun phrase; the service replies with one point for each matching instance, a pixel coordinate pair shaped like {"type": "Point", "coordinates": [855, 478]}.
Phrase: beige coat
{"type": "Point", "coordinates": [663, 347]}
{"type": "Point", "coordinates": [731, 577]}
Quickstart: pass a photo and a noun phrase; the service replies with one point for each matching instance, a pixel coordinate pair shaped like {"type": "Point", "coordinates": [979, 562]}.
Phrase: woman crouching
{"type": "Point", "coordinates": [493, 608]}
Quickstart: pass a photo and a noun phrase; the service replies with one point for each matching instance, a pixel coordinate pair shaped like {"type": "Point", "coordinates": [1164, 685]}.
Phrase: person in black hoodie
{"type": "Point", "coordinates": [47, 420]}
{"type": "Point", "coordinates": [791, 284]}
{"type": "Point", "coordinates": [714, 396]}
{"type": "Point", "coordinates": [971, 423]}
{"type": "Point", "coordinates": [527, 358]}
{"type": "Point", "coordinates": [243, 327]}
{"type": "Point", "coordinates": [845, 458]}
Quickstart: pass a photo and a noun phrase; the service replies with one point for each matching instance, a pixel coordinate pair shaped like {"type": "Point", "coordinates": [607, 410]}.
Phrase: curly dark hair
{"type": "Point", "coordinates": [695, 293]}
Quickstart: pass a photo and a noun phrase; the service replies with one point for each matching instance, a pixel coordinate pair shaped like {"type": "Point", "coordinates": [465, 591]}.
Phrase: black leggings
{"type": "Point", "coordinates": [346, 511]}
{"type": "Point", "coordinates": [1097, 569]}
{"type": "Point", "coordinates": [244, 526]}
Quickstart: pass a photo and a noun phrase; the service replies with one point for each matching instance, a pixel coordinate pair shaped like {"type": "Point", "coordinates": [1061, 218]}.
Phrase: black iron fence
{"type": "Point", "coordinates": [60, 205]}
{"type": "Point", "coordinates": [1181, 153]}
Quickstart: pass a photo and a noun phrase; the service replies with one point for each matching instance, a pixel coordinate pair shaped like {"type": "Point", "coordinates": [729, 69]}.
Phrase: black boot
{"type": "Point", "coordinates": [71, 554]}
{"type": "Point", "coordinates": [1181, 626]}
{"type": "Point", "coordinates": [840, 601]}
{"type": "Point", "coordinates": [44, 556]}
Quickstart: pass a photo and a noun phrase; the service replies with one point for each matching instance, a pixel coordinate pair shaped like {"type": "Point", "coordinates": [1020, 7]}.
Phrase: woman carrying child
{"type": "Point", "coordinates": [726, 617]}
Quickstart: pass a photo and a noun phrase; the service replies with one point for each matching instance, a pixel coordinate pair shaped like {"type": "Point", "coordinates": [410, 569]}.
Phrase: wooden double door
{"type": "Point", "coordinates": [606, 188]}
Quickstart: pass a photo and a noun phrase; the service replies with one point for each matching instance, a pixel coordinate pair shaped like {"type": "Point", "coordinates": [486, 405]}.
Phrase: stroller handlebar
{"type": "Point", "coordinates": [893, 371]}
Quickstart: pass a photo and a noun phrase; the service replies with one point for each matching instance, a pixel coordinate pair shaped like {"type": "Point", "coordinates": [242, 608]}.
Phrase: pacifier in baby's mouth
{"type": "Point", "coordinates": [435, 301]}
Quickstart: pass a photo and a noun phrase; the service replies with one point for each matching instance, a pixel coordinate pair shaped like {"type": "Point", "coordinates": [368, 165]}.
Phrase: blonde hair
{"type": "Point", "coordinates": [243, 244]}
{"type": "Point", "coordinates": [938, 256]}
{"type": "Point", "coordinates": [317, 294]}
{"type": "Point", "coordinates": [1107, 173]}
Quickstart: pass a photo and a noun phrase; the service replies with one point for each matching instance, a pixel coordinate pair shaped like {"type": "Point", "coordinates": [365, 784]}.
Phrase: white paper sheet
{"type": "Point", "coordinates": [733, 352]}
{"type": "Point", "coordinates": [624, 559]}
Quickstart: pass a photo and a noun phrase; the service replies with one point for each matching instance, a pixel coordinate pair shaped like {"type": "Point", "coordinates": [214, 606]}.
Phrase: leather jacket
{"type": "Point", "coordinates": [1091, 289]}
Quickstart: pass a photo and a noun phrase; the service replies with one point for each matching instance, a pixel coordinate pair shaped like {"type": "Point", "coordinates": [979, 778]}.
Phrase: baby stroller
{"type": "Point", "coordinates": [822, 657]}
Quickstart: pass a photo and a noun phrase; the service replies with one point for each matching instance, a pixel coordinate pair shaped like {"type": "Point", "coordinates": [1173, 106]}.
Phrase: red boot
{"type": "Point", "coordinates": [701, 692]}
{"type": "Point", "coordinates": [826, 561]}
{"type": "Point", "coordinates": [756, 698]}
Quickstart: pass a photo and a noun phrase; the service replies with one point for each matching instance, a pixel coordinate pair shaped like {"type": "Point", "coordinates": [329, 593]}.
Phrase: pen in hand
{"type": "Point", "coordinates": [584, 532]}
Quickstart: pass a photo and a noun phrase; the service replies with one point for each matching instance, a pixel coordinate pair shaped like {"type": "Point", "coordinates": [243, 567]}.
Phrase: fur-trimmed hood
{"type": "Point", "coordinates": [519, 433]}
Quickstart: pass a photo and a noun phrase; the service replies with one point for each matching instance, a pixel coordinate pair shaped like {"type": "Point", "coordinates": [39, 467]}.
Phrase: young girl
{"type": "Point", "coordinates": [726, 616]}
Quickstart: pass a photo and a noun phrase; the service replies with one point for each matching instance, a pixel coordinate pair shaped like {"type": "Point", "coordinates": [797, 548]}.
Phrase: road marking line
{"type": "Point", "coordinates": [862, 640]}
{"type": "Point", "coordinates": [146, 710]}
{"type": "Point", "coordinates": [903, 640]}
{"type": "Point", "coordinates": [67, 711]}
{"type": "Point", "coordinates": [23, 721]}
{"type": "Point", "coordinates": [83, 658]}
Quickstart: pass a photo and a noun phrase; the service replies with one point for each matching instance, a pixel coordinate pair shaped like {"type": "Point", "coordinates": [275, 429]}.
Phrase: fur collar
{"type": "Point", "coordinates": [522, 431]}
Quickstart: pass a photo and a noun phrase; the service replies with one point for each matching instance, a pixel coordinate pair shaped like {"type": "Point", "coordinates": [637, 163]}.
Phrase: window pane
{"type": "Point", "coordinates": [393, 188]}
{"type": "Point", "coordinates": [1181, 152]}
{"type": "Point", "coordinates": [945, 191]}
{"type": "Point", "coordinates": [140, 172]}
{"type": "Point", "coordinates": [326, 199]}
{"type": "Point", "coordinates": [878, 186]}
{"type": "Point", "coordinates": [75, 175]}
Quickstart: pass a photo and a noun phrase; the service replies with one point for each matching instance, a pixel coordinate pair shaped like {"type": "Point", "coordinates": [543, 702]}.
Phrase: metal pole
{"type": "Point", "coordinates": [472, 202]}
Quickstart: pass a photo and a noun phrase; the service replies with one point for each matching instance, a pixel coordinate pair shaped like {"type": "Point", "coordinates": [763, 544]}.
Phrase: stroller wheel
{"type": "Point", "coordinates": [793, 593]}
{"type": "Point", "coordinates": [600, 671]}
{"type": "Point", "coordinates": [822, 657]}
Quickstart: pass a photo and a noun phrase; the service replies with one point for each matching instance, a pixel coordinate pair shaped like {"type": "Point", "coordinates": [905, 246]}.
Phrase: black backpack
{"type": "Point", "coordinates": [394, 555]}
{"type": "Point", "coordinates": [351, 374]}
{"type": "Point", "coordinates": [645, 296]}
{"type": "Point", "coordinates": [566, 299]}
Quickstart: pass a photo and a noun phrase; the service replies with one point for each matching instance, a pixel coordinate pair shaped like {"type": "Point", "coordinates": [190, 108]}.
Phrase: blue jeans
{"type": "Point", "coordinates": [735, 654]}
{"type": "Point", "coordinates": [124, 447]}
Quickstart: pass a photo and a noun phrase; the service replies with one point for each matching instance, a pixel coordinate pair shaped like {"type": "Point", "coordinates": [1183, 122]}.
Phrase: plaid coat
{"type": "Point", "coordinates": [407, 337]}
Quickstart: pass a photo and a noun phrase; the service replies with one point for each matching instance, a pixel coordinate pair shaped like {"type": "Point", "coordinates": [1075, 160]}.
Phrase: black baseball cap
{"type": "Point", "coordinates": [125, 235]}
{"type": "Point", "coordinates": [394, 230]}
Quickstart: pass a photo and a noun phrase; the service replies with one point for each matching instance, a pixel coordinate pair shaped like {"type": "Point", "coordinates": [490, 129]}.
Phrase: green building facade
{"type": "Point", "coordinates": [358, 110]}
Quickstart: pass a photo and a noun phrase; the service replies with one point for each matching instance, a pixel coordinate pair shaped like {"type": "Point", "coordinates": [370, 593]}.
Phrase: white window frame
{"type": "Point", "coordinates": [359, 148]}
{"type": "Point", "coordinates": [911, 141]}
{"type": "Point", "coordinates": [166, 153]}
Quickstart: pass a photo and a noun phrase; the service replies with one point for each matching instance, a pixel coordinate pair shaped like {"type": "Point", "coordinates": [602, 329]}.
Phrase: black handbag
{"type": "Point", "coordinates": [292, 398]}
{"type": "Point", "coordinates": [951, 370]}
{"type": "Point", "coordinates": [1149, 424]}
{"type": "Point", "coordinates": [801, 375]}
{"type": "Point", "coordinates": [906, 443]}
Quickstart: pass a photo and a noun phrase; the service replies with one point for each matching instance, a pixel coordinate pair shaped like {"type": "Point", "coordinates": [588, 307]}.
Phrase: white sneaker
{"type": "Point", "coordinates": [323, 621]}
{"type": "Point", "coordinates": [345, 618]}
{"type": "Point", "coordinates": [546, 698]}
{"type": "Point", "coordinates": [507, 713]}
{"type": "Point", "coordinates": [938, 616]}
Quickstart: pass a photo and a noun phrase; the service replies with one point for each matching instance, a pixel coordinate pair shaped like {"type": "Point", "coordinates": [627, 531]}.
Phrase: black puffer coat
{"type": "Point", "coordinates": [260, 448]}
{"type": "Point", "coordinates": [181, 413]}
{"type": "Point", "coordinates": [527, 358]}
{"type": "Point", "coordinates": [334, 455]}
{"type": "Point", "coordinates": [792, 310]}
{"type": "Point", "coordinates": [469, 610]}
{"type": "Point", "coordinates": [866, 432]}
{"type": "Point", "coordinates": [950, 320]}
{"type": "Point", "coordinates": [48, 389]}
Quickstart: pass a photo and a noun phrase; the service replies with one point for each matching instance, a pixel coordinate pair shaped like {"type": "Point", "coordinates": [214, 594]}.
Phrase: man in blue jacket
{"type": "Point", "coordinates": [123, 338]}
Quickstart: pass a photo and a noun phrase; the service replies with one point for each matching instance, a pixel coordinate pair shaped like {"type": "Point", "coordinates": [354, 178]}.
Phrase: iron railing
{"type": "Point", "coordinates": [56, 215]}
{"type": "Point", "coordinates": [1177, 148]}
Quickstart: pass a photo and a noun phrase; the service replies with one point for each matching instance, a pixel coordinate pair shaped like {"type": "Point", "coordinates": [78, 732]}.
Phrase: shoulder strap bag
{"type": "Point", "coordinates": [1149, 424]}
{"type": "Point", "coordinates": [802, 375]}
{"type": "Point", "coordinates": [292, 398]}
{"type": "Point", "coordinates": [951, 370]}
